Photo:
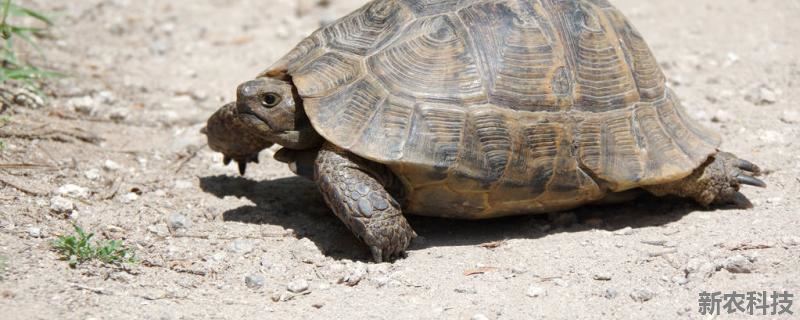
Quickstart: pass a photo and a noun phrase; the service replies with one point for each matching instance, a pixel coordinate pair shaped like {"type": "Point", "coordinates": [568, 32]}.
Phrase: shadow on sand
{"type": "Point", "coordinates": [296, 203]}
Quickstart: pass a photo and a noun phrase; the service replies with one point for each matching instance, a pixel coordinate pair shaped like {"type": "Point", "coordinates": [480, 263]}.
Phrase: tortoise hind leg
{"type": "Point", "coordinates": [715, 182]}
{"type": "Point", "coordinates": [355, 189]}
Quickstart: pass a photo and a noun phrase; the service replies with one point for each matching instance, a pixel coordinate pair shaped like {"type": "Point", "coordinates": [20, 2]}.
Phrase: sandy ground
{"type": "Point", "coordinates": [144, 75]}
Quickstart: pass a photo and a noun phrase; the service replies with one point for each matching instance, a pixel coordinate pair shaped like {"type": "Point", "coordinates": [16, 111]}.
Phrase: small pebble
{"type": "Point", "coordinates": [679, 280]}
{"type": "Point", "coordinates": [738, 264]}
{"type": "Point", "coordinates": [699, 268]}
{"type": "Point", "coordinates": [790, 116]}
{"type": "Point", "coordinates": [318, 305]}
{"type": "Point", "coordinates": [791, 241]}
{"type": "Point", "coordinates": [106, 97]}
{"type": "Point", "coordinates": [240, 246]}
{"type": "Point", "coordinates": [110, 165]}
{"type": "Point", "coordinates": [61, 205]}
{"type": "Point", "coordinates": [92, 174]}
{"type": "Point", "coordinates": [722, 116]}
{"type": "Point", "coordinates": [610, 293]}
{"type": "Point", "coordinates": [265, 262]}
{"type": "Point", "coordinates": [535, 292]}
{"type": "Point", "coordinates": [519, 269]}
{"type": "Point", "coordinates": [466, 289]}
{"type": "Point", "coordinates": [35, 232]}
{"type": "Point", "coordinates": [130, 197]}
{"type": "Point", "coordinates": [159, 230]}
{"type": "Point", "coordinates": [183, 184]}
{"type": "Point", "coordinates": [73, 191]}
{"type": "Point", "coordinates": [254, 281]}
{"type": "Point", "coordinates": [354, 275]}
{"type": "Point", "coordinates": [83, 105]}
{"type": "Point", "coordinates": [381, 281]}
{"type": "Point", "coordinates": [297, 286]}
{"type": "Point", "coordinates": [762, 95]}
{"type": "Point", "coordinates": [118, 114]}
{"type": "Point", "coordinates": [661, 252]}
{"type": "Point", "coordinates": [642, 295]}
{"type": "Point", "coordinates": [624, 231]}
{"type": "Point", "coordinates": [602, 277]}
{"type": "Point", "coordinates": [177, 222]}
{"type": "Point", "coordinates": [479, 316]}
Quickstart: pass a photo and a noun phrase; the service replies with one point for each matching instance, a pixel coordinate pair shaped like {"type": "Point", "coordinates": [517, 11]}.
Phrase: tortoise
{"type": "Point", "coordinates": [475, 109]}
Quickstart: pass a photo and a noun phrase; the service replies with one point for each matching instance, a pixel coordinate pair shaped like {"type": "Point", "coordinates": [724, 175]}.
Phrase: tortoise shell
{"type": "Point", "coordinates": [486, 108]}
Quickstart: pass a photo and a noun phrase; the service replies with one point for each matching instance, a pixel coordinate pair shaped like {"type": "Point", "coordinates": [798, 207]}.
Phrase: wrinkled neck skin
{"type": "Point", "coordinates": [304, 138]}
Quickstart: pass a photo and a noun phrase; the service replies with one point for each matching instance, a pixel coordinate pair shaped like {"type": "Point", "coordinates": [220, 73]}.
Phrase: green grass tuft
{"type": "Point", "coordinates": [11, 67]}
{"type": "Point", "coordinates": [78, 248]}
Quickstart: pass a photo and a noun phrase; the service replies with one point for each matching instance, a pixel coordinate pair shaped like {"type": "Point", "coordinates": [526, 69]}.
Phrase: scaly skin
{"type": "Point", "coordinates": [355, 189]}
{"type": "Point", "coordinates": [716, 182]}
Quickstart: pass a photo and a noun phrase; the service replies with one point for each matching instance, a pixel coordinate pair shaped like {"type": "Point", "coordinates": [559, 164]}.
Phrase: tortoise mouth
{"type": "Point", "coordinates": [249, 116]}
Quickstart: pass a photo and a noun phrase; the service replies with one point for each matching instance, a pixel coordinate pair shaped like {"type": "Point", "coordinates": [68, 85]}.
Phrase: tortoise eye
{"type": "Point", "coordinates": [270, 100]}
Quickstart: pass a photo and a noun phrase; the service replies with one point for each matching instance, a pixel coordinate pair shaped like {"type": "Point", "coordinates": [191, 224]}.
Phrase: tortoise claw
{"type": "Point", "coordinates": [747, 166]}
{"type": "Point", "coordinates": [748, 180]}
{"type": "Point", "coordinates": [226, 160]}
{"type": "Point", "coordinates": [740, 201]}
{"type": "Point", "coordinates": [377, 254]}
{"type": "Point", "coordinates": [242, 167]}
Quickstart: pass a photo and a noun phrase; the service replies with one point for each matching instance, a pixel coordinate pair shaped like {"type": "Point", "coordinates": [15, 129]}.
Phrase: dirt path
{"type": "Point", "coordinates": [146, 74]}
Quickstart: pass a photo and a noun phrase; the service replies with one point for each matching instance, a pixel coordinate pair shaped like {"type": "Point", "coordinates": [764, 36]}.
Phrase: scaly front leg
{"type": "Point", "coordinates": [355, 189]}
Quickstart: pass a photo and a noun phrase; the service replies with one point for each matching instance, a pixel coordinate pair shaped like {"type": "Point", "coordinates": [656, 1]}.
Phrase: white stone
{"type": "Point", "coordinates": [92, 174]}
{"type": "Point", "coordinates": [535, 292]}
{"type": "Point", "coordinates": [110, 165]}
{"type": "Point", "coordinates": [130, 197]}
{"type": "Point", "coordinates": [73, 191]}
{"type": "Point", "coordinates": [61, 204]}
{"type": "Point", "coordinates": [297, 286]}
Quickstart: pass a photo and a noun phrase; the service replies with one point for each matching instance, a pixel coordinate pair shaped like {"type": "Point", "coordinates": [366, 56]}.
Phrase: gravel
{"type": "Point", "coordinates": [35, 232]}
{"type": "Point", "coordinates": [60, 204]}
{"type": "Point", "coordinates": [610, 293]}
{"type": "Point", "coordinates": [73, 191]}
{"type": "Point", "coordinates": [535, 291]}
{"type": "Point", "coordinates": [354, 274]}
{"type": "Point", "coordinates": [602, 276]}
{"type": "Point", "coordinates": [791, 117]}
{"type": "Point", "coordinates": [240, 246]}
{"type": "Point", "coordinates": [110, 165]}
{"type": "Point", "coordinates": [679, 280]}
{"type": "Point", "coordinates": [624, 231]}
{"type": "Point", "coordinates": [92, 174]}
{"type": "Point", "coordinates": [762, 95]}
{"type": "Point", "coordinates": [642, 295]}
{"type": "Point", "coordinates": [297, 286]}
{"type": "Point", "coordinates": [129, 197]}
{"type": "Point", "coordinates": [699, 269]}
{"type": "Point", "coordinates": [254, 281]}
{"type": "Point", "coordinates": [479, 316]}
{"type": "Point", "coordinates": [791, 240]}
{"type": "Point", "coordinates": [466, 289]}
{"type": "Point", "coordinates": [738, 264]}
{"type": "Point", "coordinates": [178, 222]}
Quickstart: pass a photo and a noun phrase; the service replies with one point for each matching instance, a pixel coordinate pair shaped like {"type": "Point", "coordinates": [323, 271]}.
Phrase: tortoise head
{"type": "Point", "coordinates": [267, 111]}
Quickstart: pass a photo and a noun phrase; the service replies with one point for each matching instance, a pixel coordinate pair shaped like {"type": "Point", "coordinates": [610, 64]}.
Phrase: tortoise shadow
{"type": "Point", "coordinates": [295, 203]}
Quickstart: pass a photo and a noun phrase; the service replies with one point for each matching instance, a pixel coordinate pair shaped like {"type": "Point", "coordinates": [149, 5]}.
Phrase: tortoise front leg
{"type": "Point", "coordinates": [355, 189]}
{"type": "Point", "coordinates": [715, 182]}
